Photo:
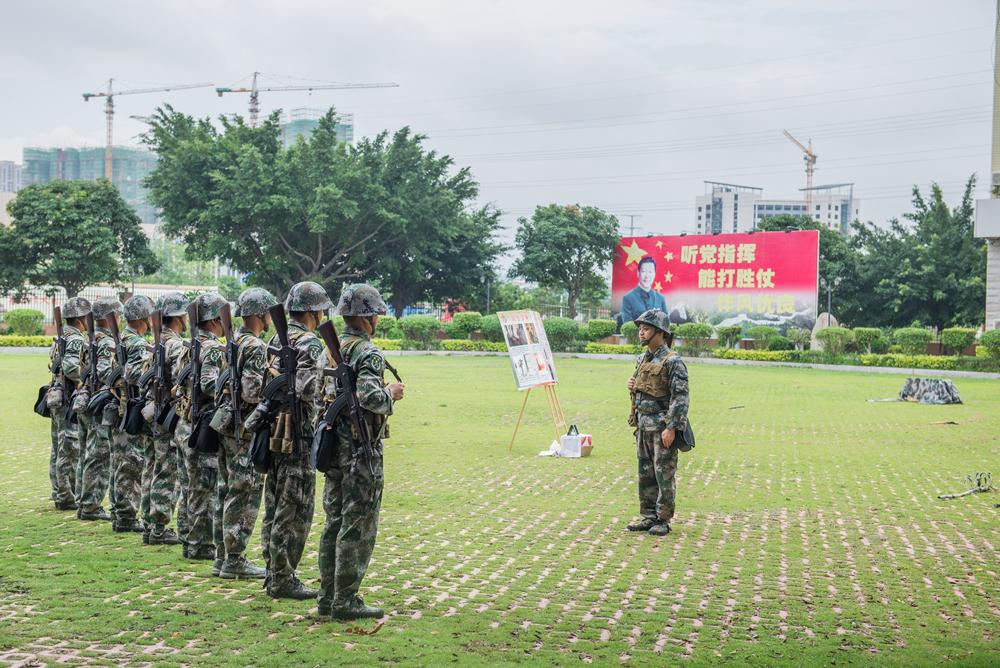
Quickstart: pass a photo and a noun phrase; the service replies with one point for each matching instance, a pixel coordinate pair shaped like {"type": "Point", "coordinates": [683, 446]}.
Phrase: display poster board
{"type": "Point", "coordinates": [766, 278]}
{"type": "Point", "coordinates": [530, 355]}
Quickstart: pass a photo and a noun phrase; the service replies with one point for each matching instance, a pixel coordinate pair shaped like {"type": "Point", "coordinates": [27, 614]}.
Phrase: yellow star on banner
{"type": "Point", "coordinates": [657, 286]}
{"type": "Point", "coordinates": [668, 277]}
{"type": "Point", "coordinates": [634, 253]}
{"type": "Point", "coordinates": [659, 245]}
{"type": "Point", "coordinates": [668, 256]}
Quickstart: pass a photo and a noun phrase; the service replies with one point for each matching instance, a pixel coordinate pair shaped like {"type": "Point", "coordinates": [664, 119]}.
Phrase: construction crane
{"type": "Point", "coordinates": [254, 91]}
{"type": "Point", "coordinates": [810, 160]}
{"type": "Point", "coordinates": [109, 111]}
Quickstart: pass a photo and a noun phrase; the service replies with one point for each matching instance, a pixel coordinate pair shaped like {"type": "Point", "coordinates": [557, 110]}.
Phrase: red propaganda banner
{"type": "Point", "coordinates": [761, 277]}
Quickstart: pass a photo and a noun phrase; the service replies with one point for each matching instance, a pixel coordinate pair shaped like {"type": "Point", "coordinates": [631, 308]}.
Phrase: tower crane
{"type": "Point", "coordinates": [810, 159]}
{"type": "Point", "coordinates": [254, 91]}
{"type": "Point", "coordinates": [109, 111]}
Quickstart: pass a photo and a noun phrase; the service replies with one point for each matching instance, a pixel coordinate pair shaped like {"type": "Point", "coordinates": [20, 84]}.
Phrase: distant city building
{"type": "Point", "coordinates": [129, 167]}
{"type": "Point", "coordinates": [302, 121]}
{"type": "Point", "coordinates": [5, 199]}
{"type": "Point", "coordinates": [727, 207]}
{"type": "Point", "coordinates": [10, 176]}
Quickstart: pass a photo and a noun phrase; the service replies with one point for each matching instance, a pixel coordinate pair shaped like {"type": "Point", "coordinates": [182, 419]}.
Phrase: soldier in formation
{"type": "Point", "coordinates": [165, 429]}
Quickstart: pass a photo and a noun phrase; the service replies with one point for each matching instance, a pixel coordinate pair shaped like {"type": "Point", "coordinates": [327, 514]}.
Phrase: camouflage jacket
{"type": "Point", "coordinates": [661, 390]}
{"type": "Point", "coordinates": [213, 363]}
{"type": "Point", "coordinates": [251, 358]}
{"type": "Point", "coordinates": [368, 362]}
{"type": "Point", "coordinates": [137, 355]}
{"type": "Point", "coordinates": [75, 361]}
{"type": "Point", "coordinates": [309, 381]}
{"type": "Point", "coordinates": [173, 345]}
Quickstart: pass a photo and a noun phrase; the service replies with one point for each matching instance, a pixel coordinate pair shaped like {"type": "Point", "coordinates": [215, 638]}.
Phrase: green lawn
{"type": "Point", "coordinates": [808, 533]}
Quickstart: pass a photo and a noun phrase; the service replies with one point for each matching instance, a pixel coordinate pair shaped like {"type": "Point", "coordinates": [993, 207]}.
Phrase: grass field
{"type": "Point", "coordinates": [808, 533]}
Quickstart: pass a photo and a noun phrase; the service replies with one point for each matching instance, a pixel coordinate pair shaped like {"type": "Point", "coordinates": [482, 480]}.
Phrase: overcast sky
{"type": "Point", "coordinates": [628, 106]}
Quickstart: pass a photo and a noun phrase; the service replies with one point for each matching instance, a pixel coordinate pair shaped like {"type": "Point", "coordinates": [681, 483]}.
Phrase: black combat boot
{"type": "Point", "coordinates": [201, 553]}
{"type": "Point", "coordinates": [292, 589]}
{"type": "Point", "coordinates": [354, 608]}
{"type": "Point", "coordinates": [645, 524]}
{"type": "Point", "coordinates": [160, 535]}
{"type": "Point", "coordinates": [238, 568]}
{"type": "Point", "coordinates": [66, 505]}
{"type": "Point", "coordinates": [660, 529]}
{"type": "Point", "coordinates": [100, 515]}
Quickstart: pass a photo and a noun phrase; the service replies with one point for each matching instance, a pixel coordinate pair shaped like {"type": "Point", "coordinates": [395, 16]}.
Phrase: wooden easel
{"type": "Point", "coordinates": [555, 410]}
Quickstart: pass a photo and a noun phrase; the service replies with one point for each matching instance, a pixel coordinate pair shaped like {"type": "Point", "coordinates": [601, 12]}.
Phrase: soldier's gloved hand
{"type": "Point", "coordinates": [396, 391]}
{"type": "Point", "coordinates": [667, 437]}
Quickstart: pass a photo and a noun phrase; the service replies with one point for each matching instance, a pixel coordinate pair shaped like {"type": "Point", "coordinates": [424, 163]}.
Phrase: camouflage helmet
{"type": "Point", "coordinates": [307, 296]}
{"type": "Point", "coordinates": [210, 306]}
{"type": "Point", "coordinates": [254, 301]}
{"type": "Point", "coordinates": [655, 318]}
{"type": "Point", "coordinates": [75, 307]}
{"type": "Point", "coordinates": [138, 307]}
{"type": "Point", "coordinates": [172, 304]}
{"type": "Point", "coordinates": [105, 306]}
{"type": "Point", "coordinates": [362, 300]}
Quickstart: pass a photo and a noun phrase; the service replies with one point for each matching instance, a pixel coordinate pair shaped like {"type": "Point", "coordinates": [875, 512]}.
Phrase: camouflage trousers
{"type": "Point", "coordinates": [127, 477]}
{"type": "Point", "coordinates": [163, 486]}
{"type": "Point", "coordinates": [240, 488]}
{"type": "Point", "coordinates": [201, 492]}
{"type": "Point", "coordinates": [289, 499]}
{"type": "Point", "coordinates": [351, 500]}
{"type": "Point", "coordinates": [95, 467]}
{"type": "Point", "coordinates": [657, 467]}
{"type": "Point", "coordinates": [181, 488]}
{"type": "Point", "coordinates": [148, 460]}
{"type": "Point", "coordinates": [67, 457]}
{"type": "Point", "coordinates": [53, 456]}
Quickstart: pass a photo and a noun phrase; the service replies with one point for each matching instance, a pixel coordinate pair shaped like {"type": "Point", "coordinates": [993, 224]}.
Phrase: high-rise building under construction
{"type": "Point", "coordinates": [302, 121]}
{"type": "Point", "coordinates": [130, 167]}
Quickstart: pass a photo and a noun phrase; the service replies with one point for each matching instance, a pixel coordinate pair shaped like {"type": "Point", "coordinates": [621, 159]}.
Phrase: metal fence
{"type": "Point", "coordinates": [38, 299]}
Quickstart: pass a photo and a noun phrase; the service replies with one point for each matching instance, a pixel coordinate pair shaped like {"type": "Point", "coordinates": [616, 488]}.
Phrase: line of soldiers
{"type": "Point", "coordinates": [199, 430]}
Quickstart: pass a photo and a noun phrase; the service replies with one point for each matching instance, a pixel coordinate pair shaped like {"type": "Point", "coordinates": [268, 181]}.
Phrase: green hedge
{"type": "Point", "coordinates": [835, 339]}
{"type": "Point", "coordinates": [479, 346]}
{"type": "Point", "coordinates": [891, 360]}
{"type": "Point", "coordinates": [756, 355]}
{"type": "Point", "coordinates": [991, 342]}
{"type": "Point", "coordinates": [729, 336]}
{"type": "Point", "coordinates": [467, 322]}
{"type": "Point", "coordinates": [388, 328]}
{"type": "Point", "coordinates": [613, 349]}
{"type": "Point", "coordinates": [388, 344]}
{"type": "Point", "coordinates": [17, 341]}
{"type": "Point", "coordinates": [780, 342]}
{"type": "Point", "coordinates": [866, 338]}
{"type": "Point", "coordinates": [630, 331]}
{"type": "Point", "coordinates": [913, 340]}
{"type": "Point", "coordinates": [598, 329]}
{"type": "Point", "coordinates": [491, 328]}
{"type": "Point", "coordinates": [24, 321]}
{"type": "Point", "coordinates": [422, 328]}
{"type": "Point", "coordinates": [957, 339]}
{"type": "Point", "coordinates": [561, 332]}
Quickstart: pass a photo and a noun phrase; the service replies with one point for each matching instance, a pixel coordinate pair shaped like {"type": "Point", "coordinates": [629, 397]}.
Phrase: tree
{"type": "Point", "coordinates": [72, 234]}
{"type": "Point", "coordinates": [567, 248]}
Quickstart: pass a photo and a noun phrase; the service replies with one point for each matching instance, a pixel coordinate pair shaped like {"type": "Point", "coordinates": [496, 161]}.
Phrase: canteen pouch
{"type": "Point", "coordinates": [260, 452]}
{"type": "Point", "coordinates": [95, 407]}
{"type": "Point", "coordinates": [203, 438]}
{"type": "Point", "coordinates": [41, 403]}
{"type": "Point", "coordinates": [684, 440]}
{"type": "Point", "coordinates": [148, 411]}
{"type": "Point", "coordinates": [324, 447]}
{"type": "Point", "coordinates": [54, 397]}
{"type": "Point", "coordinates": [109, 416]}
{"type": "Point", "coordinates": [222, 419]}
{"type": "Point", "coordinates": [132, 421]}
{"type": "Point", "coordinates": [167, 418]}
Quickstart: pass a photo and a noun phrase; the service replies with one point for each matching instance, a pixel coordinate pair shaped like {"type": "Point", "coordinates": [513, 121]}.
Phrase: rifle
{"type": "Point", "coordinates": [347, 387]}
{"type": "Point", "coordinates": [61, 347]}
{"type": "Point", "coordinates": [235, 377]}
{"type": "Point", "coordinates": [195, 361]}
{"type": "Point", "coordinates": [161, 377]}
{"type": "Point", "coordinates": [289, 366]}
{"type": "Point", "coordinates": [92, 351]}
{"type": "Point", "coordinates": [119, 371]}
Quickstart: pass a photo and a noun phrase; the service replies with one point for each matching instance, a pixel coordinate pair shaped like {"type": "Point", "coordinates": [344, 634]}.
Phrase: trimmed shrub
{"type": "Point", "coordinates": [799, 337]}
{"type": "Point", "coordinates": [957, 339]}
{"type": "Point", "coordinates": [756, 355]}
{"type": "Point", "coordinates": [388, 344]}
{"type": "Point", "coordinates": [991, 341]}
{"type": "Point", "coordinates": [761, 334]}
{"type": "Point", "coordinates": [388, 328]}
{"type": "Point", "coordinates": [599, 329]}
{"type": "Point", "coordinates": [490, 327]}
{"type": "Point", "coordinates": [913, 340]}
{"type": "Point", "coordinates": [467, 322]}
{"type": "Point", "coordinates": [562, 332]}
{"type": "Point", "coordinates": [420, 328]}
{"type": "Point", "coordinates": [24, 321]}
{"type": "Point", "coordinates": [729, 336]}
{"type": "Point", "coordinates": [780, 342]}
{"type": "Point", "coordinates": [865, 337]}
{"type": "Point", "coordinates": [17, 341]}
{"type": "Point", "coordinates": [612, 349]}
{"type": "Point", "coordinates": [630, 331]}
{"type": "Point", "coordinates": [468, 345]}
{"type": "Point", "coordinates": [695, 337]}
{"type": "Point", "coordinates": [835, 339]}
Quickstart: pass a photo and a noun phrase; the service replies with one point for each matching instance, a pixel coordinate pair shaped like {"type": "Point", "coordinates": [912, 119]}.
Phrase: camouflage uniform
{"type": "Point", "coordinates": [240, 484]}
{"type": "Point", "coordinates": [130, 451]}
{"type": "Point", "coordinates": [67, 487]}
{"type": "Point", "coordinates": [202, 468]}
{"type": "Point", "coordinates": [96, 467]}
{"type": "Point", "coordinates": [290, 489]}
{"type": "Point", "coordinates": [352, 494]}
{"type": "Point", "coordinates": [163, 488]}
{"type": "Point", "coordinates": [661, 402]}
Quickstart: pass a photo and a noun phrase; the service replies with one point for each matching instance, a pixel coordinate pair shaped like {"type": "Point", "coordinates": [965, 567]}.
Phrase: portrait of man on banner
{"type": "Point", "coordinates": [643, 296]}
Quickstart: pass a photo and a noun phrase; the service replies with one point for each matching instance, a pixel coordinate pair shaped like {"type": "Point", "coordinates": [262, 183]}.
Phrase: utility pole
{"type": "Point", "coordinates": [632, 216]}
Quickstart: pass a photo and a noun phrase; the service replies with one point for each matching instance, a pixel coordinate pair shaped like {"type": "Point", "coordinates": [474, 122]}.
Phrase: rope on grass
{"type": "Point", "coordinates": [981, 482]}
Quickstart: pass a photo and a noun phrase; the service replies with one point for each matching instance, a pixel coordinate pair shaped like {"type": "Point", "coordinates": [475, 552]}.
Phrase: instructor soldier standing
{"type": "Point", "coordinates": [660, 401]}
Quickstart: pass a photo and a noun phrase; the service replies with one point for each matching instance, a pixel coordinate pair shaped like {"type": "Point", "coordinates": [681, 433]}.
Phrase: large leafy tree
{"type": "Point", "coordinates": [567, 248]}
{"type": "Point", "coordinates": [72, 234]}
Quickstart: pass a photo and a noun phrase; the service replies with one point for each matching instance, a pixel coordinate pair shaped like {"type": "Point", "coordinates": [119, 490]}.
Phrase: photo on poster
{"type": "Point", "coordinates": [530, 354]}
